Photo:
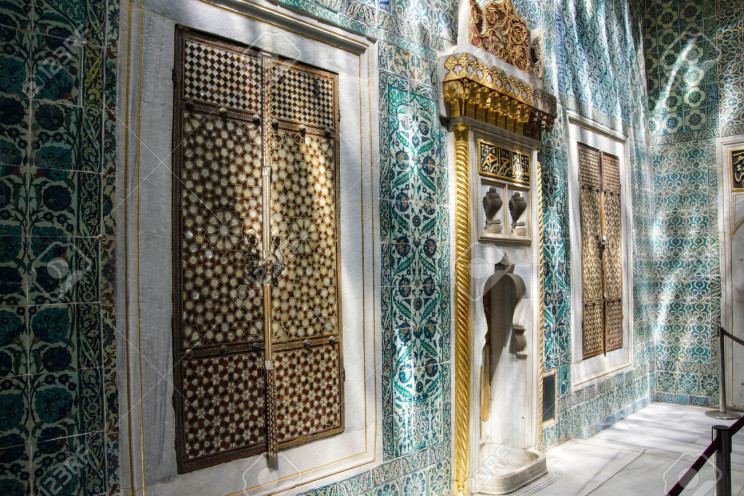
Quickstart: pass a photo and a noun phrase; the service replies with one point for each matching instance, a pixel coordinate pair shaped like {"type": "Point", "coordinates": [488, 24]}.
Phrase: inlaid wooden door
{"type": "Point", "coordinates": [601, 251]}
{"type": "Point", "coordinates": [257, 340]}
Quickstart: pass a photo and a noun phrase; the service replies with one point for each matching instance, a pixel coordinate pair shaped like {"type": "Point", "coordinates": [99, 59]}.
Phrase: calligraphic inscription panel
{"type": "Point", "coordinates": [502, 163]}
{"type": "Point", "coordinates": [737, 170]}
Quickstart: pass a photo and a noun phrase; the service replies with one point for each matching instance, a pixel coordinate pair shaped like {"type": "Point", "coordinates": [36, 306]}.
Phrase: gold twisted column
{"type": "Point", "coordinates": [541, 317]}
{"type": "Point", "coordinates": [462, 310]}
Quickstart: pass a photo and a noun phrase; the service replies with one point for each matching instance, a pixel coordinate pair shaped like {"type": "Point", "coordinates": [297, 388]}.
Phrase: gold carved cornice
{"type": "Point", "coordinates": [473, 89]}
{"type": "Point", "coordinates": [497, 28]}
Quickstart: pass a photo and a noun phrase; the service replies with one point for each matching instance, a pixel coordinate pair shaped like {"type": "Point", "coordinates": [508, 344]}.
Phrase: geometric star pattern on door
{"type": "Point", "coordinates": [257, 252]}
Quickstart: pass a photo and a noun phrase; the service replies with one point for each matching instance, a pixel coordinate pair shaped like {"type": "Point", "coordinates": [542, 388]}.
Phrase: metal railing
{"type": "Point", "coordinates": [722, 412]}
{"type": "Point", "coordinates": [721, 446]}
{"type": "Point", "coordinates": [722, 434]}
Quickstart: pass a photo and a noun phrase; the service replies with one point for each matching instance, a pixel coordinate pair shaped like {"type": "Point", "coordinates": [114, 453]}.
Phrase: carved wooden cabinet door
{"type": "Point", "coordinates": [601, 251]}
{"type": "Point", "coordinates": [257, 348]}
{"type": "Point", "coordinates": [613, 253]}
{"type": "Point", "coordinates": [305, 320]}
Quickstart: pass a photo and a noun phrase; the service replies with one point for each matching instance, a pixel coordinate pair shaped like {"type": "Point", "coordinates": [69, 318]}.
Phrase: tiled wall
{"type": "Point", "coordinates": [593, 65]}
{"type": "Point", "coordinates": [695, 62]}
{"type": "Point", "coordinates": [58, 397]}
{"type": "Point", "coordinates": [415, 295]}
{"type": "Point", "coordinates": [56, 155]}
{"type": "Point", "coordinates": [415, 299]}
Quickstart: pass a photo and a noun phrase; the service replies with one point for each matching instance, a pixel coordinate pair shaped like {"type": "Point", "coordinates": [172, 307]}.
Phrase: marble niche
{"type": "Point", "coordinates": [505, 324]}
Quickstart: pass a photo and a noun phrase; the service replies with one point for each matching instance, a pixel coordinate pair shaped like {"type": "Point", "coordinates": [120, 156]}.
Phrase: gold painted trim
{"type": "Point", "coordinates": [129, 378]}
{"type": "Point", "coordinates": [137, 244]}
{"type": "Point", "coordinates": [474, 89]}
{"type": "Point", "coordinates": [731, 170]}
{"type": "Point", "coordinates": [462, 310]}
{"type": "Point", "coordinates": [125, 218]}
{"type": "Point", "coordinates": [541, 316]}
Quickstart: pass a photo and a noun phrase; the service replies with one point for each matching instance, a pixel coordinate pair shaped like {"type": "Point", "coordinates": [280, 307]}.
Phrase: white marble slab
{"type": "Point", "coordinates": [644, 454]}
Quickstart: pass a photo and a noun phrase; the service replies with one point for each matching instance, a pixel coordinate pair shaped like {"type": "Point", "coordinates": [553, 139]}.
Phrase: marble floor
{"type": "Point", "coordinates": [644, 454]}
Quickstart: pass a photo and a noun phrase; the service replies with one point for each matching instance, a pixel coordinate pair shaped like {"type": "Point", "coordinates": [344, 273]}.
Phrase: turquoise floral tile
{"type": "Point", "coordinates": [400, 274]}
{"type": "Point", "coordinates": [394, 92]}
{"type": "Point", "coordinates": [424, 220]}
{"type": "Point", "coordinates": [389, 489]}
{"type": "Point", "coordinates": [415, 483]}
{"type": "Point", "coordinates": [13, 254]}
{"type": "Point", "coordinates": [360, 12]}
{"type": "Point", "coordinates": [14, 342]}
{"type": "Point", "coordinates": [15, 469]}
{"type": "Point", "coordinates": [395, 181]}
{"type": "Point", "coordinates": [113, 483]}
{"type": "Point", "coordinates": [395, 60]}
{"type": "Point", "coordinates": [14, 412]}
{"type": "Point", "coordinates": [426, 181]}
{"type": "Point", "coordinates": [440, 479]}
{"type": "Point", "coordinates": [446, 421]}
{"type": "Point", "coordinates": [69, 201]}
{"type": "Point", "coordinates": [65, 404]}
{"type": "Point", "coordinates": [389, 445]}
{"type": "Point", "coordinates": [63, 269]}
{"type": "Point", "coordinates": [93, 76]}
{"type": "Point", "coordinates": [70, 18]}
{"type": "Point", "coordinates": [54, 406]}
{"type": "Point", "coordinates": [109, 202]}
{"type": "Point", "coordinates": [111, 54]}
{"type": "Point", "coordinates": [65, 338]}
{"type": "Point", "coordinates": [395, 223]}
{"type": "Point", "coordinates": [69, 464]}
{"type": "Point", "coordinates": [111, 401]}
{"type": "Point", "coordinates": [91, 400]}
{"type": "Point", "coordinates": [108, 276]}
{"type": "Point", "coordinates": [13, 203]}
{"type": "Point", "coordinates": [330, 490]}
{"type": "Point", "coordinates": [426, 303]}
{"type": "Point", "coordinates": [57, 69]}
{"type": "Point", "coordinates": [15, 13]}
{"type": "Point", "coordinates": [428, 262]}
{"type": "Point", "coordinates": [13, 130]}
{"type": "Point", "coordinates": [65, 137]}
{"type": "Point", "coordinates": [15, 68]}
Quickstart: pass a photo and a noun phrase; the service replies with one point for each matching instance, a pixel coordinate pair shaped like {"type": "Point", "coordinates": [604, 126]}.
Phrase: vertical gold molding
{"type": "Point", "coordinates": [541, 305]}
{"type": "Point", "coordinates": [462, 310]}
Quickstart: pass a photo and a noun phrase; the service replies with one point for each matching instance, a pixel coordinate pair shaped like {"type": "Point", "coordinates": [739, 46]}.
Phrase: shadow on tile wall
{"type": "Point", "coordinates": [57, 353]}
{"type": "Point", "coordinates": [58, 397]}
{"type": "Point", "coordinates": [694, 59]}
{"type": "Point", "coordinates": [580, 47]}
{"type": "Point", "coordinates": [595, 65]}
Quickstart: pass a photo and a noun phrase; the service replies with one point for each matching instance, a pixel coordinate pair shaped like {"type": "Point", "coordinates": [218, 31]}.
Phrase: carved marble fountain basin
{"type": "Point", "coordinates": [504, 469]}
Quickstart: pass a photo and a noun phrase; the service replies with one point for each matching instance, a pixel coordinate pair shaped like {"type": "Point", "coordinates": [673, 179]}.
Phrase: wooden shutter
{"type": "Point", "coordinates": [613, 253]}
{"type": "Point", "coordinates": [591, 231]}
{"type": "Point", "coordinates": [601, 251]}
{"type": "Point", "coordinates": [230, 401]}
{"type": "Point", "coordinates": [305, 320]}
